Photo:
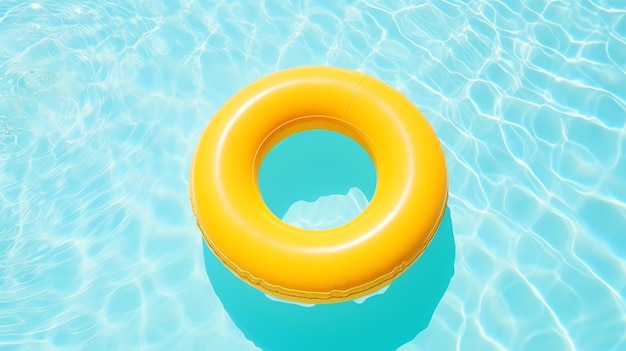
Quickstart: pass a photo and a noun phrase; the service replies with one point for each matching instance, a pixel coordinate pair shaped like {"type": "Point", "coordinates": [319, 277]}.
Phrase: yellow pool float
{"type": "Point", "coordinates": [338, 264]}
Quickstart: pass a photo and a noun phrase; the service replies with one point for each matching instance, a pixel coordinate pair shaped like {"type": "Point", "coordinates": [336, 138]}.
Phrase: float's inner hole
{"type": "Point", "coordinates": [314, 163]}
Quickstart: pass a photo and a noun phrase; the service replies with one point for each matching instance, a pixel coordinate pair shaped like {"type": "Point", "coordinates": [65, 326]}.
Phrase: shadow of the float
{"type": "Point", "coordinates": [382, 322]}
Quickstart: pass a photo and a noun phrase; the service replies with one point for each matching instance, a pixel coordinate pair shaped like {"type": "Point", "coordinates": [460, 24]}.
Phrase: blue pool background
{"type": "Point", "coordinates": [102, 103]}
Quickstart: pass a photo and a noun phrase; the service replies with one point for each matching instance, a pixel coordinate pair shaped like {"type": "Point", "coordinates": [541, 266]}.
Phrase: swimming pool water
{"type": "Point", "coordinates": [102, 103]}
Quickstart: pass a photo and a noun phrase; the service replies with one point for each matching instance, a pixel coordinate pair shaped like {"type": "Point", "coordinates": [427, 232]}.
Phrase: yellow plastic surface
{"type": "Point", "coordinates": [329, 265]}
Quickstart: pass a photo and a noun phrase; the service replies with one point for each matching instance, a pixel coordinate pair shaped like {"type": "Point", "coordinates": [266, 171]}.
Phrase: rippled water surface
{"type": "Point", "coordinates": [102, 103]}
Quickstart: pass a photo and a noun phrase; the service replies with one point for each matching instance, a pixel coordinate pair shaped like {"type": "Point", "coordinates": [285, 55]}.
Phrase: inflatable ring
{"type": "Point", "coordinates": [338, 264]}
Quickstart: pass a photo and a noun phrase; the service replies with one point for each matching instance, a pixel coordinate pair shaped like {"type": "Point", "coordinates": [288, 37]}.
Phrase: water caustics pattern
{"type": "Point", "coordinates": [102, 103]}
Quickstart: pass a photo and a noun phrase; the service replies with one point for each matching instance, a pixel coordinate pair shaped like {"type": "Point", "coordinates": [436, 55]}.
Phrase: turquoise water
{"type": "Point", "coordinates": [102, 103]}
